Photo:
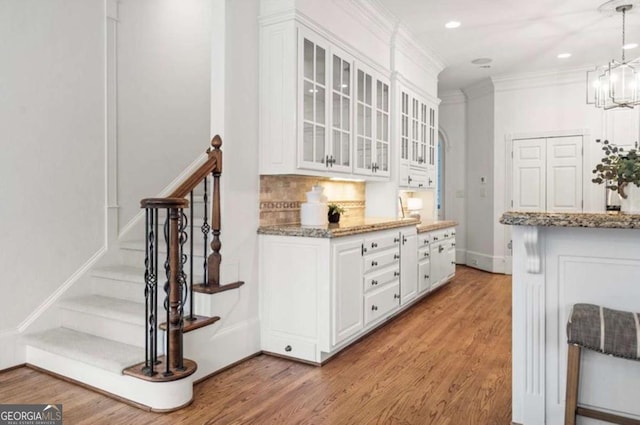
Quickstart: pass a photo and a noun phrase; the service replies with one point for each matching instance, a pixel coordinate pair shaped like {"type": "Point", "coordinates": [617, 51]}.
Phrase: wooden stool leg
{"type": "Point", "coordinates": [573, 378]}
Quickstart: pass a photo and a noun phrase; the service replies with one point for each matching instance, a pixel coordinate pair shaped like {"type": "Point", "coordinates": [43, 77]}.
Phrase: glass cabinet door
{"type": "Point", "coordinates": [314, 110]}
{"type": "Point", "coordinates": [432, 137]}
{"type": "Point", "coordinates": [404, 126]}
{"type": "Point", "coordinates": [415, 131]}
{"type": "Point", "coordinates": [341, 101]}
{"type": "Point", "coordinates": [424, 128]}
{"type": "Point", "coordinates": [364, 121]}
{"type": "Point", "coordinates": [382, 129]}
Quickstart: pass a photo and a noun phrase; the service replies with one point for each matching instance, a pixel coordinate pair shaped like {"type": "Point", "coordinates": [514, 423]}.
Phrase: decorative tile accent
{"type": "Point", "coordinates": [281, 197]}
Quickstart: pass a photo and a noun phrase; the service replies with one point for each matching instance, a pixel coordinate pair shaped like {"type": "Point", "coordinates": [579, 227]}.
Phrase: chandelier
{"type": "Point", "coordinates": [617, 84]}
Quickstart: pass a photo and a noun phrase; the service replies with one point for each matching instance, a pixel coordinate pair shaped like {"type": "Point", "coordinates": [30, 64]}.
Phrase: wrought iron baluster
{"type": "Point", "coordinates": [191, 316]}
{"type": "Point", "coordinates": [167, 291]}
{"type": "Point", "coordinates": [205, 229]}
{"type": "Point", "coordinates": [154, 352]}
{"type": "Point", "coordinates": [182, 281]}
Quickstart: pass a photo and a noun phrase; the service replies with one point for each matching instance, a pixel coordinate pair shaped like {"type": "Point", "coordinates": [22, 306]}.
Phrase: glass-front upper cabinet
{"type": "Point", "coordinates": [372, 141]}
{"type": "Point", "coordinates": [341, 112]}
{"type": "Point", "coordinates": [314, 104]}
{"type": "Point", "coordinates": [327, 106]}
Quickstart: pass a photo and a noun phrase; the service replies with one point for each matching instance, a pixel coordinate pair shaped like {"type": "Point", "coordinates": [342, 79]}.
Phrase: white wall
{"type": "Point", "coordinates": [163, 91]}
{"type": "Point", "coordinates": [452, 123]}
{"type": "Point", "coordinates": [530, 105]}
{"type": "Point", "coordinates": [480, 176]}
{"type": "Point", "coordinates": [240, 178]}
{"type": "Point", "coordinates": [52, 162]}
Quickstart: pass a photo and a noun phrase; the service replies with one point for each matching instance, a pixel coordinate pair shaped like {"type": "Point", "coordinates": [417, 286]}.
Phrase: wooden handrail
{"type": "Point", "coordinates": [164, 203]}
{"type": "Point", "coordinates": [212, 165]}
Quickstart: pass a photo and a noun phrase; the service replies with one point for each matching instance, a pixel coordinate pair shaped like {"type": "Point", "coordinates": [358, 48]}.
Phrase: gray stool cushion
{"type": "Point", "coordinates": [605, 330]}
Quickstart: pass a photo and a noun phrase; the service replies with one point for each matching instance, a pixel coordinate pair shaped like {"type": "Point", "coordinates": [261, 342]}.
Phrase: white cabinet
{"type": "Point", "coordinates": [346, 258]}
{"type": "Point", "coordinates": [408, 265]}
{"type": "Point", "coordinates": [418, 140]}
{"type": "Point", "coordinates": [424, 262]}
{"type": "Point", "coordinates": [322, 110]}
{"type": "Point", "coordinates": [318, 294]}
{"type": "Point", "coordinates": [442, 257]}
{"type": "Point", "coordinates": [372, 123]}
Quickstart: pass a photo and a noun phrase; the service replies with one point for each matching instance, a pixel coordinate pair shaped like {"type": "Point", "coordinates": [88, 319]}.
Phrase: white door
{"type": "Point", "coordinates": [547, 174]}
{"type": "Point", "coordinates": [529, 175]}
{"type": "Point", "coordinates": [347, 289]}
{"type": "Point", "coordinates": [564, 174]}
{"type": "Point", "coordinates": [408, 268]}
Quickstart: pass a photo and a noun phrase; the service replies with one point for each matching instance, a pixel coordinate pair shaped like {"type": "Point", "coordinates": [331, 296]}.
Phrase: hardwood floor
{"type": "Point", "coordinates": [446, 361]}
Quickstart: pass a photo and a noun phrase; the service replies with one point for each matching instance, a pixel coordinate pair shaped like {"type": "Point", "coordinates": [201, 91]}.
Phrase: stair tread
{"type": "Point", "coordinates": [120, 272]}
{"type": "Point", "coordinates": [112, 308]}
{"type": "Point", "coordinates": [139, 245]}
{"type": "Point", "coordinates": [100, 352]}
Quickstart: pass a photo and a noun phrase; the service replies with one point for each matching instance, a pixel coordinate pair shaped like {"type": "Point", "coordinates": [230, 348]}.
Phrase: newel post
{"type": "Point", "coordinates": [214, 260]}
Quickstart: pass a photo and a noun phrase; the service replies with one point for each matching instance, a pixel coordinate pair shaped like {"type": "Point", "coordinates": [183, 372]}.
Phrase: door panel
{"type": "Point", "coordinates": [529, 175]}
{"type": "Point", "coordinates": [564, 171]}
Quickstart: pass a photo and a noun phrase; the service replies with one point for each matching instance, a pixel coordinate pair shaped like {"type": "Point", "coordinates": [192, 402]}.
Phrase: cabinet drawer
{"type": "Point", "coordinates": [424, 276]}
{"type": "Point", "coordinates": [378, 279]}
{"type": "Point", "coordinates": [380, 242]}
{"type": "Point", "coordinates": [380, 303]}
{"type": "Point", "coordinates": [383, 259]}
{"type": "Point", "coordinates": [423, 253]}
{"type": "Point", "coordinates": [424, 239]}
{"type": "Point", "coordinates": [290, 347]}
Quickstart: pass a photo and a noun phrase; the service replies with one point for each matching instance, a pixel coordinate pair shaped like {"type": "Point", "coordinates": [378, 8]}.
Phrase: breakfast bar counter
{"type": "Point", "coordinates": [560, 260]}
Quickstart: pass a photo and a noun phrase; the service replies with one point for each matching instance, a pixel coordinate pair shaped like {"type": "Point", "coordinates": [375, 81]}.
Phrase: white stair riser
{"type": "Point", "coordinates": [127, 333]}
{"type": "Point", "coordinates": [159, 396]}
{"type": "Point", "coordinates": [120, 289]}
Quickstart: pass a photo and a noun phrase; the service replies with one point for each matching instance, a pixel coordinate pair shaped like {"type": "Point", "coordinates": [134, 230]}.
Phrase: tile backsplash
{"type": "Point", "coordinates": [281, 197]}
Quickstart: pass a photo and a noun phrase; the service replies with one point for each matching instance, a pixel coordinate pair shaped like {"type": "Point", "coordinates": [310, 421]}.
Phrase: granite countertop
{"type": "Point", "coordinates": [346, 227]}
{"type": "Point", "coordinates": [594, 220]}
{"type": "Point", "coordinates": [431, 225]}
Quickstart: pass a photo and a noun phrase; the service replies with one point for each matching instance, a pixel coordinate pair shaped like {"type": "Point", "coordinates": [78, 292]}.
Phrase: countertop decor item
{"type": "Point", "coordinates": [620, 170]}
{"type": "Point", "coordinates": [334, 213]}
{"type": "Point", "coordinates": [314, 211]}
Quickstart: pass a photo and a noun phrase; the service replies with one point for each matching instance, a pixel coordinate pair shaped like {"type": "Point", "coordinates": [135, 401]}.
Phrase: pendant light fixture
{"type": "Point", "coordinates": [617, 84]}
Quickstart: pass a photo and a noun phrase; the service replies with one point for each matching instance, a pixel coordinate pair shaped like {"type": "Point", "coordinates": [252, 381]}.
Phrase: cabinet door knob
{"type": "Point", "coordinates": [288, 348]}
{"type": "Point", "coordinates": [435, 238]}
{"type": "Point", "coordinates": [440, 248]}
{"type": "Point", "coordinates": [409, 179]}
{"type": "Point", "coordinates": [396, 256]}
{"type": "Point", "coordinates": [453, 244]}
{"type": "Point", "coordinates": [396, 240]}
{"type": "Point", "coordinates": [396, 274]}
{"type": "Point", "coordinates": [374, 308]}
{"type": "Point", "coordinates": [426, 254]}
{"type": "Point", "coordinates": [374, 282]}
{"type": "Point", "coordinates": [396, 296]}
{"type": "Point", "coordinates": [446, 235]}
{"type": "Point", "coordinates": [426, 242]}
{"type": "Point", "coordinates": [374, 245]}
{"type": "Point", "coordinates": [453, 262]}
{"type": "Point", "coordinates": [426, 276]}
{"type": "Point", "coordinates": [374, 263]}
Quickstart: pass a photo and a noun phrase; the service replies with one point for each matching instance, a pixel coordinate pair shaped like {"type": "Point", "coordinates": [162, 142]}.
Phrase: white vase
{"type": "Point", "coordinates": [631, 204]}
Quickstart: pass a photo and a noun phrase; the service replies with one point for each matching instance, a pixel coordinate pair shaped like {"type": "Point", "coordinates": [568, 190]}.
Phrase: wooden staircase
{"type": "Point", "coordinates": [125, 337]}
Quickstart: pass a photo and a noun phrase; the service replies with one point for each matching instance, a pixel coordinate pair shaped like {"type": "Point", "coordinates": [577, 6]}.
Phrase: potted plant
{"type": "Point", "coordinates": [334, 212]}
{"type": "Point", "coordinates": [620, 170]}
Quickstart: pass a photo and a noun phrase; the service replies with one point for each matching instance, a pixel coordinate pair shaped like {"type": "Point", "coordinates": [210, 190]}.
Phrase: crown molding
{"type": "Point", "coordinates": [372, 14]}
{"type": "Point", "coordinates": [558, 77]}
{"type": "Point", "coordinates": [405, 41]}
{"type": "Point", "coordinates": [482, 88]}
{"type": "Point", "coordinates": [452, 97]}
{"type": "Point", "coordinates": [412, 87]}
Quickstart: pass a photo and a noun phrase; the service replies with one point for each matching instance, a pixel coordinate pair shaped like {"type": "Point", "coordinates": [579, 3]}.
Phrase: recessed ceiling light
{"type": "Point", "coordinates": [452, 24]}
{"type": "Point", "coordinates": [481, 61]}
{"type": "Point", "coordinates": [564, 55]}
{"type": "Point", "coordinates": [630, 46]}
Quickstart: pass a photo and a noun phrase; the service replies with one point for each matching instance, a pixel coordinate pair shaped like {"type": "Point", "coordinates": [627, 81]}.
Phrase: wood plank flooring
{"type": "Point", "coordinates": [447, 361]}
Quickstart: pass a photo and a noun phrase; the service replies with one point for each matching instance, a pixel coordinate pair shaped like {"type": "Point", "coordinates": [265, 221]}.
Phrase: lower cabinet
{"type": "Point", "coordinates": [317, 295]}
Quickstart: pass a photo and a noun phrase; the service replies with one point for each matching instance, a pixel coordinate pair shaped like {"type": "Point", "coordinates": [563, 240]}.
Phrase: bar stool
{"type": "Point", "coordinates": [606, 331]}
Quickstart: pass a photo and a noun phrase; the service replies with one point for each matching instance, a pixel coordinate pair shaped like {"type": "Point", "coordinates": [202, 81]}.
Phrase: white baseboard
{"type": "Point", "coordinates": [485, 262]}
{"type": "Point", "coordinates": [461, 256]}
